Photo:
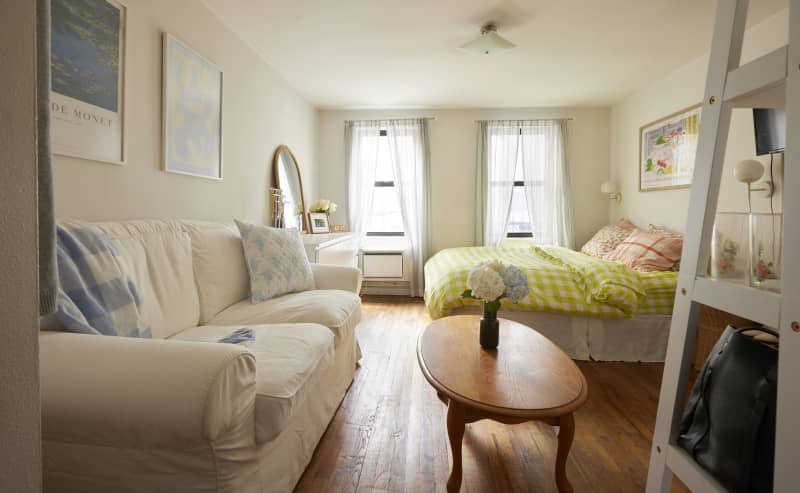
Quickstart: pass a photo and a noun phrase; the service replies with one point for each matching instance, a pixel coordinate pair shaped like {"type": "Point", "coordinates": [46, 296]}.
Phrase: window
{"type": "Point", "coordinates": [386, 218]}
{"type": "Point", "coordinates": [520, 224]}
{"type": "Point", "coordinates": [523, 182]}
{"type": "Point", "coordinates": [519, 217]}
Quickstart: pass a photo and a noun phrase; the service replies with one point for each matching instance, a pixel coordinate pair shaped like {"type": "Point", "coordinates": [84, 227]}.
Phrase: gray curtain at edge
{"type": "Point", "coordinates": [47, 238]}
{"type": "Point", "coordinates": [481, 178]}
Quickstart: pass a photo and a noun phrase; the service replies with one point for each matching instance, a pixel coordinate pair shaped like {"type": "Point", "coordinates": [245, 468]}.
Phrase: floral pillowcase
{"type": "Point", "coordinates": [276, 260]}
{"type": "Point", "coordinates": [607, 239]}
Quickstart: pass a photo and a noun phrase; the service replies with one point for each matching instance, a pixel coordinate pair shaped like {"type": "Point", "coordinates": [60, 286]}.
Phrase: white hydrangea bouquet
{"type": "Point", "coordinates": [324, 206]}
{"type": "Point", "coordinates": [490, 282]}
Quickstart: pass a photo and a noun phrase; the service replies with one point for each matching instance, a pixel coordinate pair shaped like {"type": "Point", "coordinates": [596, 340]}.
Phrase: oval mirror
{"type": "Point", "coordinates": [287, 178]}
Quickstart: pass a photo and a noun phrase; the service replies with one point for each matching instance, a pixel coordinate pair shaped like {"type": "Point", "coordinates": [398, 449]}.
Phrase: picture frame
{"type": "Point", "coordinates": [87, 95]}
{"type": "Point", "coordinates": [318, 222]}
{"type": "Point", "coordinates": [667, 150]}
{"type": "Point", "coordinates": [191, 116]}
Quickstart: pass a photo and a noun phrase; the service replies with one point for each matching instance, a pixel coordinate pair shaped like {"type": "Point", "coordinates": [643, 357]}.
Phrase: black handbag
{"type": "Point", "coordinates": [728, 425]}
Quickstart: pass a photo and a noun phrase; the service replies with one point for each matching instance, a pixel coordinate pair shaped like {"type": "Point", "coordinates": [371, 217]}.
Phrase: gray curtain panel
{"type": "Point", "coordinates": [481, 180]}
{"type": "Point", "coordinates": [47, 229]}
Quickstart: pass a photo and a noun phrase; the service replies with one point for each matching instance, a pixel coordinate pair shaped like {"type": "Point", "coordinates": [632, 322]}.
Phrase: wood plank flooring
{"type": "Point", "coordinates": [389, 434]}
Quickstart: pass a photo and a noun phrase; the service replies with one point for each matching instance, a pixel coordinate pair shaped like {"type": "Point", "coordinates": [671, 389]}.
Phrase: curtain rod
{"type": "Point", "coordinates": [391, 119]}
{"type": "Point", "coordinates": [569, 119]}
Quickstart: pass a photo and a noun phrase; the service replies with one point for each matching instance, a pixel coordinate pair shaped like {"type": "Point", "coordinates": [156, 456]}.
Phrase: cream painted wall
{"type": "Point", "coordinates": [678, 90]}
{"type": "Point", "coordinates": [452, 141]}
{"type": "Point", "coordinates": [20, 416]}
{"type": "Point", "coordinates": [260, 111]}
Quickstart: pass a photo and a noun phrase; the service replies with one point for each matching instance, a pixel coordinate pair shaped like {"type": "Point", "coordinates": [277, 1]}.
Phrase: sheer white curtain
{"type": "Point", "coordinates": [361, 155]}
{"type": "Point", "coordinates": [498, 144]}
{"type": "Point", "coordinates": [409, 151]}
{"type": "Point", "coordinates": [544, 168]}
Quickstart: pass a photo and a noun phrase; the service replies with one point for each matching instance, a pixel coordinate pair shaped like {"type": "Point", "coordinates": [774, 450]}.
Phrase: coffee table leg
{"type": "Point", "coordinates": [455, 432]}
{"type": "Point", "coordinates": [566, 433]}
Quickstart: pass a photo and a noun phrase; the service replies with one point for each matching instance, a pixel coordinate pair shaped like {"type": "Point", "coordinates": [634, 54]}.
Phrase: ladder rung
{"type": "Point", "coordinates": [690, 472]}
{"type": "Point", "coordinates": [759, 83]}
{"type": "Point", "coordinates": [750, 303]}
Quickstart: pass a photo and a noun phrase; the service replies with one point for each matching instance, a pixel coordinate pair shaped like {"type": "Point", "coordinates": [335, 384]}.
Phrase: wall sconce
{"type": "Point", "coordinates": [750, 171]}
{"type": "Point", "coordinates": [610, 188]}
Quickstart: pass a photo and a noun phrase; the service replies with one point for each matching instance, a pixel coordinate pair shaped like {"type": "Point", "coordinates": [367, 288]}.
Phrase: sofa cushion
{"type": "Point", "coordinates": [157, 256]}
{"type": "Point", "coordinates": [290, 358]}
{"type": "Point", "coordinates": [338, 310]}
{"type": "Point", "coordinates": [219, 266]}
{"type": "Point", "coordinates": [276, 260]}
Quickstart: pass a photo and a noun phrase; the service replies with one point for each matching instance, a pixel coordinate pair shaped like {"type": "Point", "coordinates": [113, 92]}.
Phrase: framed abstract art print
{"type": "Point", "coordinates": [192, 112]}
{"type": "Point", "coordinates": [667, 149]}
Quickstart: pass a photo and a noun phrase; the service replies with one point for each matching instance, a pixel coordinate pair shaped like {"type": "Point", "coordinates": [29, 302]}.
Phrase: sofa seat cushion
{"type": "Point", "coordinates": [290, 358]}
{"type": "Point", "coordinates": [338, 310]}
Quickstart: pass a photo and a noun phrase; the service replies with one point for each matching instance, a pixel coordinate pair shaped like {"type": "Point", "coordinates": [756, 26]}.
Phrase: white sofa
{"type": "Point", "coordinates": [179, 413]}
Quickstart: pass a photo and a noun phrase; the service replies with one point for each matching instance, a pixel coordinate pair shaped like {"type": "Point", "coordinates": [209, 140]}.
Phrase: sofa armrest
{"type": "Point", "coordinates": [142, 393]}
{"type": "Point", "coordinates": [337, 277]}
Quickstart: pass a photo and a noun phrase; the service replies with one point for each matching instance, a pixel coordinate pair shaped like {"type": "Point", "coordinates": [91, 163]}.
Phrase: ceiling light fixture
{"type": "Point", "coordinates": [488, 43]}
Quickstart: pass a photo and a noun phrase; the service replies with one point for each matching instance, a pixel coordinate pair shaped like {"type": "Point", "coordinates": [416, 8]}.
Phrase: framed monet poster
{"type": "Point", "coordinates": [192, 112]}
{"type": "Point", "coordinates": [667, 149]}
{"type": "Point", "coordinates": [87, 88]}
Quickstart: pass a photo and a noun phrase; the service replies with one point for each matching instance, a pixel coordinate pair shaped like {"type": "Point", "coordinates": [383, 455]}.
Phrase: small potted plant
{"type": "Point", "coordinates": [490, 282]}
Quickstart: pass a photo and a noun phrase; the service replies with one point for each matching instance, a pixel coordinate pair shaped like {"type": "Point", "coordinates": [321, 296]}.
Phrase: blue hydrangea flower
{"type": "Point", "coordinates": [516, 283]}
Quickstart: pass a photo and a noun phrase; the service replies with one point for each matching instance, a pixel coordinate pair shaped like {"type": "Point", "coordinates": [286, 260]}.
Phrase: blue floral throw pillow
{"type": "Point", "coordinates": [276, 260]}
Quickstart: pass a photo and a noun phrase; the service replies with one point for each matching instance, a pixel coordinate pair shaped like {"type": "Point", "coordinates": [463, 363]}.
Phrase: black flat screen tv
{"type": "Point", "coordinates": [770, 127]}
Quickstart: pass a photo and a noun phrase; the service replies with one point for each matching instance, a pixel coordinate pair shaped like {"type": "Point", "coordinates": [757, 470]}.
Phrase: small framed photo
{"type": "Point", "coordinates": [318, 222]}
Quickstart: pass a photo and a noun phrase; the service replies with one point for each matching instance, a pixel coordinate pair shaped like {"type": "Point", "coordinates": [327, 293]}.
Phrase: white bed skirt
{"type": "Point", "coordinates": [641, 338]}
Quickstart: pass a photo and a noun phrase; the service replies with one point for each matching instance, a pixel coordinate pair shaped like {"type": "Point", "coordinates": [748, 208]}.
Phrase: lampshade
{"type": "Point", "coordinates": [608, 187]}
{"type": "Point", "coordinates": [488, 43]}
{"type": "Point", "coordinates": [748, 171]}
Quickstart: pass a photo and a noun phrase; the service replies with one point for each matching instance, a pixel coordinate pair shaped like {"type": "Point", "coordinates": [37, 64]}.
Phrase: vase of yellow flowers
{"type": "Point", "coordinates": [324, 206]}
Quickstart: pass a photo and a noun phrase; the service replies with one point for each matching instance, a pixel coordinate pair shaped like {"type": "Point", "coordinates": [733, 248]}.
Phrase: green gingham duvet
{"type": "Point", "coordinates": [560, 281]}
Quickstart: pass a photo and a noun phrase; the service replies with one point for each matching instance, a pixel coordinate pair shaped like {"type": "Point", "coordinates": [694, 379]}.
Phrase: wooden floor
{"type": "Point", "coordinates": [389, 433]}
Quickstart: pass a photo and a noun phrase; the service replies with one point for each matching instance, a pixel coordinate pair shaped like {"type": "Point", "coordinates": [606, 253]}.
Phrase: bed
{"type": "Point", "coordinates": [591, 308]}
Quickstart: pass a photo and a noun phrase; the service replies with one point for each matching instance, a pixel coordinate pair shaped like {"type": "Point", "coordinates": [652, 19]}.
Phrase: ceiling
{"type": "Point", "coordinates": [404, 53]}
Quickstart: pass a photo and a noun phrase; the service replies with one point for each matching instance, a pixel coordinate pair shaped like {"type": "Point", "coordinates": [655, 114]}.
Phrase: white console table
{"type": "Point", "coordinates": [332, 248]}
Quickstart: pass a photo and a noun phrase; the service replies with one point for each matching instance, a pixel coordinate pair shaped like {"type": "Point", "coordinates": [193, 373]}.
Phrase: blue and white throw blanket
{"type": "Point", "coordinates": [95, 296]}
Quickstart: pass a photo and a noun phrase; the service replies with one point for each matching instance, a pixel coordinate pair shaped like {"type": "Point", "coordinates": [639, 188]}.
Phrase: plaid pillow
{"type": "Point", "coordinates": [607, 239]}
{"type": "Point", "coordinates": [648, 251]}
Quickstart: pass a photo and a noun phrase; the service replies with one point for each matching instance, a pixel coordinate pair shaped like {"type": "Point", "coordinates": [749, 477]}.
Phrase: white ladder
{"type": "Point", "coordinates": [770, 81]}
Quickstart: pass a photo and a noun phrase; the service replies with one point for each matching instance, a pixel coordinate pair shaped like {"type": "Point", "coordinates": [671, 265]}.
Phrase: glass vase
{"type": "Point", "coordinates": [729, 247]}
{"type": "Point", "coordinates": [766, 233]}
{"type": "Point", "coordinates": [490, 329]}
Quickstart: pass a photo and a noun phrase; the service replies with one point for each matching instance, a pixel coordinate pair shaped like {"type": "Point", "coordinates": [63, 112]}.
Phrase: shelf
{"type": "Point", "coordinates": [760, 83]}
{"type": "Point", "coordinates": [690, 472]}
{"type": "Point", "coordinates": [753, 304]}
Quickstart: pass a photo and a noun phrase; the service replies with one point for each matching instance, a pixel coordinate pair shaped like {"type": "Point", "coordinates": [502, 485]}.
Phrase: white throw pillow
{"type": "Point", "coordinates": [276, 260]}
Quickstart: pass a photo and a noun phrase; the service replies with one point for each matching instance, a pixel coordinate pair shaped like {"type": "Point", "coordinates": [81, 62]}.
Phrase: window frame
{"type": "Point", "coordinates": [519, 234]}
{"type": "Point", "coordinates": [384, 184]}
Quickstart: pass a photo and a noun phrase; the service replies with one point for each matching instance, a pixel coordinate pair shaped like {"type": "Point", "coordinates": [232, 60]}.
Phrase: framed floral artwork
{"type": "Point", "coordinates": [87, 89]}
{"type": "Point", "coordinates": [667, 149]}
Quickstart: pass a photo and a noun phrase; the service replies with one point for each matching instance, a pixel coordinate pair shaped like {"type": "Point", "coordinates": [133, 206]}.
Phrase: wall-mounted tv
{"type": "Point", "coordinates": [770, 126]}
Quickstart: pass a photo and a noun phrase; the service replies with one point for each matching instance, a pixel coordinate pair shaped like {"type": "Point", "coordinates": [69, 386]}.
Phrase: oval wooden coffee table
{"type": "Point", "coordinates": [526, 378]}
